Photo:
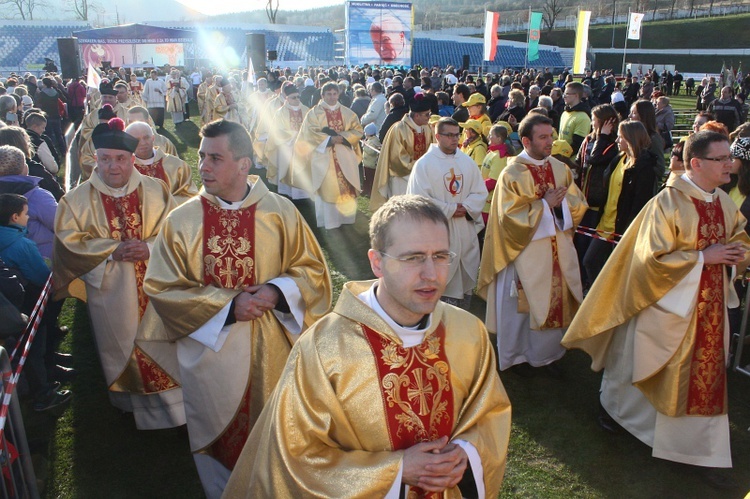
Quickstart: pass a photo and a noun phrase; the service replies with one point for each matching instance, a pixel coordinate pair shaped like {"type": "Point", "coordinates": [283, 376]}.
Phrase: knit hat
{"type": "Point", "coordinates": [371, 129]}
{"type": "Point", "coordinates": [419, 104]}
{"type": "Point", "coordinates": [111, 135]}
{"type": "Point", "coordinates": [741, 148]}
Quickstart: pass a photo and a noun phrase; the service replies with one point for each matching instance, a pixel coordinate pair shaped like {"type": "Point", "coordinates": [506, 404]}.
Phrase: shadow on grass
{"type": "Point", "coordinates": [98, 452]}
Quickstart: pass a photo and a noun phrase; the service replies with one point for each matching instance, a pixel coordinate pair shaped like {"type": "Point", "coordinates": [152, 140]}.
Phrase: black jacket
{"type": "Point", "coordinates": [393, 117]}
{"type": "Point", "coordinates": [638, 187]}
{"type": "Point", "coordinates": [594, 156]}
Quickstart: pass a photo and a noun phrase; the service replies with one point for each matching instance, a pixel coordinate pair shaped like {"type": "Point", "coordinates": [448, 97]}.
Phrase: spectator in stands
{"type": "Point", "coordinates": [515, 112]}
{"type": "Point", "coordinates": [665, 120]}
{"type": "Point", "coordinates": [632, 90]}
{"type": "Point", "coordinates": [726, 109]}
{"type": "Point", "coordinates": [44, 150]}
{"type": "Point", "coordinates": [376, 112]}
{"type": "Point", "coordinates": [677, 81]}
{"type": "Point", "coordinates": [701, 119]}
{"type": "Point", "coordinates": [48, 99]}
{"type": "Point", "coordinates": [461, 94]}
{"type": "Point", "coordinates": [398, 109]}
{"type": "Point", "coordinates": [17, 137]}
{"type": "Point", "coordinates": [708, 94]}
{"type": "Point", "coordinates": [645, 112]}
{"type": "Point", "coordinates": [630, 182]}
{"type": "Point", "coordinates": [361, 101]}
{"type": "Point", "coordinates": [8, 110]}
{"type": "Point", "coordinates": [575, 122]}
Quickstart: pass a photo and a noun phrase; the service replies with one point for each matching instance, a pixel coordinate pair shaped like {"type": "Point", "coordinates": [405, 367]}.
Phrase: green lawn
{"type": "Point", "coordinates": [556, 449]}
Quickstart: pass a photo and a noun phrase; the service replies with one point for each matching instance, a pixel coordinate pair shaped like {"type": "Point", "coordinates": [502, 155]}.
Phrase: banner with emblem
{"type": "Point", "coordinates": [535, 31]}
{"type": "Point", "coordinates": [634, 26]}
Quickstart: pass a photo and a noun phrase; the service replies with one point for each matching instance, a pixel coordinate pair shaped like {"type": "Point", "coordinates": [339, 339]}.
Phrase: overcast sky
{"type": "Point", "coordinates": [225, 6]}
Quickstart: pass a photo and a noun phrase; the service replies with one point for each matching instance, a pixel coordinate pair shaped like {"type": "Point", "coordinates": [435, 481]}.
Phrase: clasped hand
{"type": "Point", "coordinates": [554, 197]}
{"type": "Point", "coordinates": [434, 466]}
{"type": "Point", "coordinates": [727, 254]}
{"type": "Point", "coordinates": [254, 301]}
{"type": "Point", "coordinates": [132, 250]}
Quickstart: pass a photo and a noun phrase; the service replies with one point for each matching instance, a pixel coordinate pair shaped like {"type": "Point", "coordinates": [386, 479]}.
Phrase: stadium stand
{"type": "Point", "coordinates": [24, 45]}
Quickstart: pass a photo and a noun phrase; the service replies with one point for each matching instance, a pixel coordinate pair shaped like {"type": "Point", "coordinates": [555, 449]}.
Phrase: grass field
{"type": "Point", "coordinates": [556, 450]}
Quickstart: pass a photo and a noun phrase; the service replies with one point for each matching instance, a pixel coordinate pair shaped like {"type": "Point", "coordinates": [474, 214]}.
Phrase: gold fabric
{"type": "Point", "coordinates": [324, 430]}
{"type": "Point", "coordinates": [255, 351]}
{"type": "Point", "coordinates": [82, 236]}
{"type": "Point", "coordinates": [515, 215]}
{"type": "Point", "coordinates": [313, 171]}
{"type": "Point", "coordinates": [656, 252]}
{"type": "Point", "coordinates": [396, 157]}
{"type": "Point", "coordinates": [281, 135]}
{"type": "Point", "coordinates": [86, 151]}
{"type": "Point", "coordinates": [175, 286]}
{"type": "Point", "coordinates": [166, 145]}
{"type": "Point", "coordinates": [179, 176]}
{"type": "Point", "coordinates": [200, 96]}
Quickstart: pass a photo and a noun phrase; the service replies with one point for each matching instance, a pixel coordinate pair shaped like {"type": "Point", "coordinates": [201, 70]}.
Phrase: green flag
{"type": "Point", "coordinates": [535, 30]}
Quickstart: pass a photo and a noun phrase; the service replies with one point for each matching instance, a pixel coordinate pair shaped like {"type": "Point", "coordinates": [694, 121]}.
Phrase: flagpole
{"type": "Point", "coordinates": [625, 48]}
{"type": "Point", "coordinates": [528, 39]}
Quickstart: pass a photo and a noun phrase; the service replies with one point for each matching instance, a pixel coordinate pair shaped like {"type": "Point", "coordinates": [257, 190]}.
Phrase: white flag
{"type": "Point", "coordinates": [92, 78]}
{"type": "Point", "coordinates": [634, 27]}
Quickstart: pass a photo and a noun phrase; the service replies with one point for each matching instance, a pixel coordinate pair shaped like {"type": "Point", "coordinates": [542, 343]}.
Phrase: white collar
{"type": "Point", "coordinates": [235, 205]}
{"type": "Point", "coordinates": [537, 162]}
{"type": "Point", "coordinates": [148, 161]}
{"type": "Point", "coordinates": [410, 336]}
{"type": "Point", "coordinates": [330, 108]}
{"type": "Point", "coordinates": [707, 196]}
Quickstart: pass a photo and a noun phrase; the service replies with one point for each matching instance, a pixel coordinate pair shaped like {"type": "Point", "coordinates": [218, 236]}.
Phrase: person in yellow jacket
{"type": "Point", "coordinates": [474, 145]}
{"type": "Point", "coordinates": [495, 162]}
{"type": "Point", "coordinates": [477, 106]}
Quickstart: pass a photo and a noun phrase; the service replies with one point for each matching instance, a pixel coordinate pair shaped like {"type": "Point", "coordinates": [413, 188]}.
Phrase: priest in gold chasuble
{"type": "Point", "coordinates": [234, 278]}
{"type": "Point", "coordinates": [103, 232]}
{"type": "Point", "coordinates": [404, 143]}
{"type": "Point", "coordinates": [390, 378]}
{"type": "Point", "coordinates": [326, 159]}
{"type": "Point", "coordinates": [283, 131]}
{"type": "Point", "coordinates": [529, 272]}
{"type": "Point", "coordinates": [656, 318]}
{"type": "Point", "coordinates": [155, 163]}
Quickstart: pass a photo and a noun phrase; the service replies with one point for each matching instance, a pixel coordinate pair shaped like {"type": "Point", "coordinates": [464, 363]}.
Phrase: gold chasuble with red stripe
{"type": "Point", "coordinates": [125, 224]}
{"type": "Point", "coordinates": [154, 170]}
{"type": "Point", "coordinates": [544, 180]}
{"type": "Point", "coordinates": [336, 122]}
{"type": "Point", "coordinates": [420, 145]}
{"type": "Point", "coordinates": [228, 262]}
{"type": "Point", "coordinates": [707, 381]}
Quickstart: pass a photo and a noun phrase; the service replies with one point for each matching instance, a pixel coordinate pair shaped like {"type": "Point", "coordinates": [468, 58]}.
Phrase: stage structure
{"type": "Point", "coordinates": [379, 33]}
{"type": "Point", "coordinates": [136, 45]}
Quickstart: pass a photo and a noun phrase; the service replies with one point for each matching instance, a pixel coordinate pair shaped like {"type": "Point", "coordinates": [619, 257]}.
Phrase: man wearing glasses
{"type": "Point", "coordinates": [656, 318]}
{"type": "Point", "coordinates": [452, 180]}
{"type": "Point", "coordinates": [393, 394]}
{"type": "Point", "coordinates": [575, 123]}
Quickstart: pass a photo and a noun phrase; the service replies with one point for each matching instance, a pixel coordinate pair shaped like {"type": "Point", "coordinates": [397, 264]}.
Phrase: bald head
{"type": "Point", "coordinates": [145, 136]}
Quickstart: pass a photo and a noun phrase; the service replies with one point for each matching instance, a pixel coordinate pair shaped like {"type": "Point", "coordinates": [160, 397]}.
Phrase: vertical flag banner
{"type": "Point", "coordinates": [535, 30]}
{"type": "Point", "coordinates": [739, 74]}
{"type": "Point", "coordinates": [634, 26]}
{"type": "Point", "coordinates": [490, 35]}
{"type": "Point", "coordinates": [92, 78]}
{"type": "Point", "coordinates": [582, 41]}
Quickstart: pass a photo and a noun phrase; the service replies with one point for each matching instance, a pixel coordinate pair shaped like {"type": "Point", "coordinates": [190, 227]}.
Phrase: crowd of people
{"type": "Point", "coordinates": [548, 196]}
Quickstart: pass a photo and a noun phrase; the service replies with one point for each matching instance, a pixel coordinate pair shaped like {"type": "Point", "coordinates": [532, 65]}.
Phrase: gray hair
{"type": "Point", "coordinates": [545, 101]}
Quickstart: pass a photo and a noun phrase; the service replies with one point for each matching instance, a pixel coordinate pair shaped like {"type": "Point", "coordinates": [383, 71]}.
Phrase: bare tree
{"type": "Point", "coordinates": [83, 8]}
{"type": "Point", "coordinates": [672, 4]}
{"type": "Point", "coordinates": [656, 6]}
{"type": "Point", "coordinates": [640, 6]}
{"type": "Point", "coordinates": [25, 7]}
{"type": "Point", "coordinates": [692, 7]}
{"type": "Point", "coordinates": [550, 11]}
{"type": "Point", "coordinates": [272, 7]}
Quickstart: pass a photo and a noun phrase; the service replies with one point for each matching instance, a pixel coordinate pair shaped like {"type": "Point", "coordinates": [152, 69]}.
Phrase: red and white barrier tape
{"type": "Point", "coordinates": [613, 237]}
{"type": "Point", "coordinates": [12, 379]}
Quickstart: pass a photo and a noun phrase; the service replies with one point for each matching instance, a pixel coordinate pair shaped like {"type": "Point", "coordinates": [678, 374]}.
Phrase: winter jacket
{"type": "Point", "coordinates": [42, 208]}
{"type": "Point", "coordinates": [21, 253]}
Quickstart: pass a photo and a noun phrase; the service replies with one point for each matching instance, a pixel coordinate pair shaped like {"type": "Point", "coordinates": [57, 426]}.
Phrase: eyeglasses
{"type": "Point", "coordinates": [450, 135]}
{"type": "Point", "coordinates": [419, 259]}
{"type": "Point", "coordinates": [295, 97]}
{"type": "Point", "coordinates": [721, 159]}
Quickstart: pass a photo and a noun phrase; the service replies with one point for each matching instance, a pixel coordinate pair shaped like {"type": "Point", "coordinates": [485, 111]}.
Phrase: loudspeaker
{"type": "Point", "coordinates": [256, 50]}
{"type": "Point", "coordinates": [272, 55]}
{"type": "Point", "coordinates": [70, 57]}
{"type": "Point", "coordinates": [465, 64]}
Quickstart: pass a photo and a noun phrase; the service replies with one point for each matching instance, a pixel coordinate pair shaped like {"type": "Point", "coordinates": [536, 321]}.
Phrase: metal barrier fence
{"type": "Point", "coordinates": [18, 478]}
